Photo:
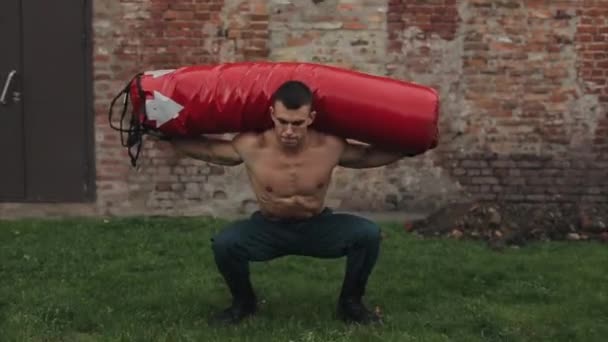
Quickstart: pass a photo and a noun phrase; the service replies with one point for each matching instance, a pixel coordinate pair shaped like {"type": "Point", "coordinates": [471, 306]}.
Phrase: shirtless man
{"type": "Point", "coordinates": [290, 167]}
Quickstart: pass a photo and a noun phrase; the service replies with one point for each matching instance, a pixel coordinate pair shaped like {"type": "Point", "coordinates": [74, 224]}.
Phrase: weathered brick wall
{"type": "Point", "coordinates": [522, 84]}
{"type": "Point", "coordinates": [533, 109]}
{"type": "Point", "coordinates": [163, 35]}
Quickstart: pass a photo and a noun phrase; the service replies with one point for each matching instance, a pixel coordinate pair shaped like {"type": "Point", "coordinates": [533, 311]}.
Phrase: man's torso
{"type": "Point", "coordinates": [290, 185]}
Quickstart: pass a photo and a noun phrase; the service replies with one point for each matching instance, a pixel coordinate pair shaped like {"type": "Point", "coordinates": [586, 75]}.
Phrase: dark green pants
{"type": "Point", "coordinates": [326, 235]}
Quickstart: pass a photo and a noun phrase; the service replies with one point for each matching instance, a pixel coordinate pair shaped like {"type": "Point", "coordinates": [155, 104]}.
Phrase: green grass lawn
{"type": "Point", "coordinates": [155, 280]}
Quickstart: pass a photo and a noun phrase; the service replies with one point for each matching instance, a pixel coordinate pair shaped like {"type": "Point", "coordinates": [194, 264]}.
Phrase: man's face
{"type": "Point", "coordinates": [291, 125]}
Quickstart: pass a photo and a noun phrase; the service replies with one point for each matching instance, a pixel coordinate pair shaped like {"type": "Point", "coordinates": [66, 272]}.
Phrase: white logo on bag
{"type": "Point", "coordinates": [162, 108]}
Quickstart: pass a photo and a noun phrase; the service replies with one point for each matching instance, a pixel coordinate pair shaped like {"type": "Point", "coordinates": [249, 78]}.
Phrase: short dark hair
{"type": "Point", "coordinates": [293, 95]}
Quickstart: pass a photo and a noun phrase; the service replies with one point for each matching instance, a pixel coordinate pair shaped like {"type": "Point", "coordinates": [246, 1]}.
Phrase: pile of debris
{"type": "Point", "coordinates": [502, 224]}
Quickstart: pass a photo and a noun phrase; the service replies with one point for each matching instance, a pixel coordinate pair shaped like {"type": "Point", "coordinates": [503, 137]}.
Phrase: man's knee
{"type": "Point", "coordinates": [225, 242]}
{"type": "Point", "coordinates": [368, 233]}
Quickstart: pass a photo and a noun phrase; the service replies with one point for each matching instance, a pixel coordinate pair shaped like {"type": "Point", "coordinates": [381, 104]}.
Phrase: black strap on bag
{"type": "Point", "coordinates": [131, 137]}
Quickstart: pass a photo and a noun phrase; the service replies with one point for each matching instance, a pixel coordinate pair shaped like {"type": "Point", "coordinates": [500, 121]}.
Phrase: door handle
{"type": "Point", "coordinates": [7, 83]}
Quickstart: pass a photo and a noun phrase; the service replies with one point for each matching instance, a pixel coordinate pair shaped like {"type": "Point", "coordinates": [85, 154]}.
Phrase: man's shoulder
{"type": "Point", "coordinates": [327, 139]}
{"type": "Point", "coordinates": [248, 136]}
{"type": "Point", "coordinates": [248, 140]}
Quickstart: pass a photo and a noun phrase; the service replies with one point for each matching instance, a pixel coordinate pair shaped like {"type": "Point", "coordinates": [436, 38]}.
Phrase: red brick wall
{"type": "Point", "coordinates": [532, 83]}
{"type": "Point", "coordinates": [438, 17]}
{"type": "Point", "coordinates": [163, 35]}
{"type": "Point", "coordinates": [524, 111]}
{"type": "Point", "coordinates": [592, 49]}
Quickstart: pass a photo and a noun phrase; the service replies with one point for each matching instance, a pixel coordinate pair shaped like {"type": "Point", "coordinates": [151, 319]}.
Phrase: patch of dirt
{"type": "Point", "coordinates": [502, 224]}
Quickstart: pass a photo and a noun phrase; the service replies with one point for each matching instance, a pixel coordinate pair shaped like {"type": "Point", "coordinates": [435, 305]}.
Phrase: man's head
{"type": "Point", "coordinates": [291, 112]}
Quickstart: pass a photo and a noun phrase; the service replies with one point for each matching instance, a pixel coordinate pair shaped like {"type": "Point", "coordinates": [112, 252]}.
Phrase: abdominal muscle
{"type": "Point", "coordinates": [290, 207]}
{"type": "Point", "coordinates": [281, 196]}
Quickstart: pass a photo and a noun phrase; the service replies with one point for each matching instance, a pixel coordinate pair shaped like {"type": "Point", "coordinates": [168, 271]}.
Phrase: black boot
{"type": "Point", "coordinates": [361, 258]}
{"type": "Point", "coordinates": [350, 306]}
{"type": "Point", "coordinates": [239, 310]}
{"type": "Point", "coordinates": [352, 310]}
{"type": "Point", "coordinates": [244, 303]}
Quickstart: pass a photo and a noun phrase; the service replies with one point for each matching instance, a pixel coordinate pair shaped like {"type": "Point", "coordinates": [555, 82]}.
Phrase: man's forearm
{"type": "Point", "coordinates": [189, 146]}
{"type": "Point", "coordinates": [361, 156]}
{"type": "Point", "coordinates": [376, 157]}
{"type": "Point", "coordinates": [205, 149]}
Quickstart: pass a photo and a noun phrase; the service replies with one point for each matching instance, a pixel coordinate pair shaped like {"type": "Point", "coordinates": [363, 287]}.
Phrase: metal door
{"type": "Point", "coordinates": [46, 129]}
{"type": "Point", "coordinates": [12, 172]}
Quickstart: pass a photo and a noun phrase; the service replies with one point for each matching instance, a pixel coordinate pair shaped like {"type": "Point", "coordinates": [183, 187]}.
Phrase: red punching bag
{"type": "Point", "coordinates": [235, 97]}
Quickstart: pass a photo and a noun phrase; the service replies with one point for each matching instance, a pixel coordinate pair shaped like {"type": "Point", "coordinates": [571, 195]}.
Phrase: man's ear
{"type": "Point", "coordinates": [313, 115]}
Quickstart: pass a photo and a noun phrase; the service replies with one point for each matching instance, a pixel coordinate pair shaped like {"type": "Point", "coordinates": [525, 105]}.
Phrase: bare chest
{"type": "Point", "coordinates": [308, 174]}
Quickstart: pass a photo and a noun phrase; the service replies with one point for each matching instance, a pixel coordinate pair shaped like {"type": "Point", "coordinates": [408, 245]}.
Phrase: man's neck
{"type": "Point", "coordinates": [294, 150]}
